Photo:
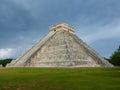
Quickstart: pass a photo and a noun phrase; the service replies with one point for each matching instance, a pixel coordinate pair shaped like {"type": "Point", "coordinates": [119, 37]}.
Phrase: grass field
{"type": "Point", "coordinates": [60, 78]}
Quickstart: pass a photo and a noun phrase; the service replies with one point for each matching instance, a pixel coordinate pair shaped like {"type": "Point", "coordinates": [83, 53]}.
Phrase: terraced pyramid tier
{"type": "Point", "coordinates": [60, 48]}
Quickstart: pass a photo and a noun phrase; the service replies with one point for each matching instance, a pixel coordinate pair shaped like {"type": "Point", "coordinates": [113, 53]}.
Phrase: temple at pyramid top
{"type": "Point", "coordinates": [61, 26]}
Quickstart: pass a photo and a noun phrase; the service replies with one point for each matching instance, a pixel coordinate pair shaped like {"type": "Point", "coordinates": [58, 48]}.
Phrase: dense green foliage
{"type": "Point", "coordinates": [4, 62]}
{"type": "Point", "coordinates": [60, 78]}
{"type": "Point", "coordinates": [115, 58]}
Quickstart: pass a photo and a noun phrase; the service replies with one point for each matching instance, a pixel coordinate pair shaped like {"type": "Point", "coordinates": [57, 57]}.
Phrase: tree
{"type": "Point", "coordinates": [115, 57]}
{"type": "Point", "coordinates": [5, 61]}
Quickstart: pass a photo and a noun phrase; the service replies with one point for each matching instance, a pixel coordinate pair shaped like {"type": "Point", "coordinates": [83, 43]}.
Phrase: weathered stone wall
{"type": "Point", "coordinates": [61, 26]}
{"type": "Point", "coordinates": [22, 60]}
{"type": "Point", "coordinates": [60, 48]}
{"type": "Point", "coordinates": [63, 50]}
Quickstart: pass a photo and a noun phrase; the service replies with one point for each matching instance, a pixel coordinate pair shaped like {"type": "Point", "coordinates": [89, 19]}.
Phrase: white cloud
{"type": "Point", "coordinates": [100, 32]}
{"type": "Point", "coordinates": [6, 53]}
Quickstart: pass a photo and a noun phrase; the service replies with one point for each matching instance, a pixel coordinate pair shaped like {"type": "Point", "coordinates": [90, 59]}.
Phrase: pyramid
{"type": "Point", "coordinates": [60, 48]}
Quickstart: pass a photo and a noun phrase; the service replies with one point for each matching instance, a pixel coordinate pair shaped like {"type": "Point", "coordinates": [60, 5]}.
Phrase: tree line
{"type": "Point", "coordinates": [4, 62]}
{"type": "Point", "coordinates": [115, 57]}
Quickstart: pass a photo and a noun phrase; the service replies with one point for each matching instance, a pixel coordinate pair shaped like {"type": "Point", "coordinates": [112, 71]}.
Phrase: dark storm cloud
{"type": "Point", "coordinates": [13, 21]}
{"type": "Point", "coordinates": [23, 22]}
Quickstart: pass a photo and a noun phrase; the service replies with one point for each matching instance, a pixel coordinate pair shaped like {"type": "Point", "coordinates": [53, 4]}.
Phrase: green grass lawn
{"type": "Point", "coordinates": [60, 78]}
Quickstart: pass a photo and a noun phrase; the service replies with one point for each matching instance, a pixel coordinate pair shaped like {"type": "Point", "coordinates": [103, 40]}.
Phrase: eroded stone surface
{"type": "Point", "coordinates": [60, 48]}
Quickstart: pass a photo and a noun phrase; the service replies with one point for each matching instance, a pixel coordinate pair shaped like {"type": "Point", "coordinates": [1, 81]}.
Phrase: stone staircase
{"type": "Point", "coordinates": [25, 56]}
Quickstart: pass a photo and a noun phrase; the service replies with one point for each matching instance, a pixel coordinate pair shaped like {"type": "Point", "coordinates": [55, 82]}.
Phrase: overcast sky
{"type": "Point", "coordinates": [24, 22]}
